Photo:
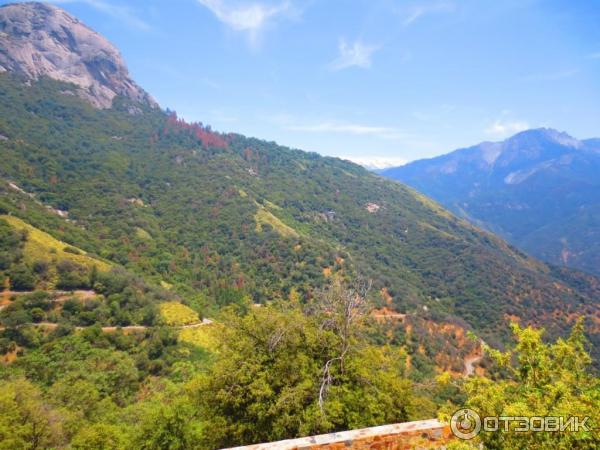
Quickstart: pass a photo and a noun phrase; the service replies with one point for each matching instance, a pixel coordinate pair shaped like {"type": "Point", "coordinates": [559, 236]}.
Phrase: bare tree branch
{"type": "Point", "coordinates": [342, 308]}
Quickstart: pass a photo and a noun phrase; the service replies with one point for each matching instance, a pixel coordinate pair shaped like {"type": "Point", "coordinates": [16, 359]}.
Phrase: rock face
{"type": "Point", "coordinates": [43, 40]}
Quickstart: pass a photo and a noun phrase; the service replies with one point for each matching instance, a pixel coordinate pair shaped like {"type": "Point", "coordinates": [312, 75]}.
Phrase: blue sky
{"type": "Point", "coordinates": [384, 80]}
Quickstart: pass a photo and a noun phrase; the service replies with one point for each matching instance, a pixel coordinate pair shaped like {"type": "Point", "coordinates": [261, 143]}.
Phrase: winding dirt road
{"type": "Point", "coordinates": [470, 362]}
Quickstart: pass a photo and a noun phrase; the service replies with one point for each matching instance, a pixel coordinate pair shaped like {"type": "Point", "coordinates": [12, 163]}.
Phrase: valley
{"type": "Point", "coordinates": [169, 286]}
{"type": "Point", "coordinates": [538, 189]}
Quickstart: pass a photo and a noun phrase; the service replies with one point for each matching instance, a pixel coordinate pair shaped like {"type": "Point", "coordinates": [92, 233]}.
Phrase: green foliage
{"type": "Point", "coordinates": [267, 380]}
{"type": "Point", "coordinates": [123, 300]}
{"type": "Point", "coordinates": [71, 276]}
{"type": "Point", "coordinates": [21, 278]}
{"type": "Point", "coordinates": [100, 436]}
{"type": "Point", "coordinates": [540, 380]}
{"type": "Point", "coordinates": [168, 424]}
{"type": "Point", "coordinates": [113, 373]}
{"type": "Point", "coordinates": [11, 245]}
{"type": "Point", "coordinates": [148, 193]}
{"type": "Point", "coordinates": [26, 420]}
{"type": "Point", "coordinates": [151, 205]}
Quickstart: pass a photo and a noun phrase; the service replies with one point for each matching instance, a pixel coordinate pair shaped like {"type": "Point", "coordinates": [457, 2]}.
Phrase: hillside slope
{"type": "Point", "coordinates": [539, 190]}
{"type": "Point", "coordinates": [228, 218]}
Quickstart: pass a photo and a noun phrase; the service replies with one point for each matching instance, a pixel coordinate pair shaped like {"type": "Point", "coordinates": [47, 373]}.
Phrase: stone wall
{"type": "Point", "coordinates": [425, 434]}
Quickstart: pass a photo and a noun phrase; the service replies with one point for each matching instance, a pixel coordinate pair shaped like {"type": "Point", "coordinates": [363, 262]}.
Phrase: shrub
{"type": "Point", "coordinates": [22, 278]}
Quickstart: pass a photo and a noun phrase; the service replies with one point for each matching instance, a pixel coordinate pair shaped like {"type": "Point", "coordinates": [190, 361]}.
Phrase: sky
{"type": "Point", "coordinates": [380, 82]}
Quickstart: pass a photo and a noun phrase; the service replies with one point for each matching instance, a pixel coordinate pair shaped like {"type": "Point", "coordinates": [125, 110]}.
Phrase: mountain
{"type": "Point", "coordinates": [222, 218]}
{"type": "Point", "coordinates": [39, 40]}
{"type": "Point", "coordinates": [169, 286]}
{"type": "Point", "coordinates": [539, 189]}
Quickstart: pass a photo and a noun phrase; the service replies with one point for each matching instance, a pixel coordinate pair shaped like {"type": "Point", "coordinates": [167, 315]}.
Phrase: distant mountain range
{"type": "Point", "coordinates": [539, 189]}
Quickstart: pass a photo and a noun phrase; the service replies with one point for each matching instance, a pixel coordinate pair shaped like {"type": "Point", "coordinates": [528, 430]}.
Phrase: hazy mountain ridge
{"type": "Point", "coordinates": [539, 189]}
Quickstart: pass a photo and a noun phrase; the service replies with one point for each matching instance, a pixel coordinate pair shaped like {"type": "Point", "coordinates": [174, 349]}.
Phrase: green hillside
{"type": "Point", "coordinates": [228, 219]}
{"type": "Point", "coordinates": [44, 252]}
{"type": "Point", "coordinates": [168, 287]}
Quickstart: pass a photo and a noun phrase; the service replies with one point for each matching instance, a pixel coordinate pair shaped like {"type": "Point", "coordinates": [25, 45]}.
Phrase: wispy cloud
{"type": "Point", "coordinates": [120, 12]}
{"type": "Point", "coordinates": [505, 127]}
{"type": "Point", "coordinates": [356, 54]}
{"type": "Point", "coordinates": [351, 128]}
{"type": "Point", "coordinates": [250, 18]}
{"type": "Point", "coordinates": [594, 55]}
{"type": "Point", "coordinates": [415, 12]}
{"type": "Point", "coordinates": [551, 76]}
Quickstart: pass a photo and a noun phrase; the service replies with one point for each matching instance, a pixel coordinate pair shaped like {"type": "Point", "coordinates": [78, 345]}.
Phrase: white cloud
{"type": "Point", "coordinates": [356, 54]}
{"type": "Point", "coordinates": [415, 12]}
{"type": "Point", "coordinates": [246, 17]}
{"type": "Point", "coordinates": [594, 55]}
{"type": "Point", "coordinates": [377, 162]}
{"type": "Point", "coordinates": [502, 127]}
{"type": "Point", "coordinates": [119, 12]}
{"type": "Point", "coordinates": [353, 129]}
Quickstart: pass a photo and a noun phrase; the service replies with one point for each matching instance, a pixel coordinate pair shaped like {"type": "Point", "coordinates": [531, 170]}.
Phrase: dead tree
{"type": "Point", "coordinates": [342, 309]}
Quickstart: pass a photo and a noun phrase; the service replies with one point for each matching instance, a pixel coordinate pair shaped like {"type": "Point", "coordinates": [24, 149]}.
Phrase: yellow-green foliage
{"type": "Point", "coordinates": [40, 246]}
{"type": "Point", "coordinates": [177, 314]}
{"type": "Point", "coordinates": [263, 217]}
{"type": "Point", "coordinates": [142, 234]}
{"type": "Point", "coordinates": [271, 204]}
{"type": "Point", "coordinates": [203, 337]}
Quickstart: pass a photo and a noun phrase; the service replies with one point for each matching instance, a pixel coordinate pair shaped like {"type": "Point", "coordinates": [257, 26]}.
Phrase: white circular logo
{"type": "Point", "coordinates": [465, 424]}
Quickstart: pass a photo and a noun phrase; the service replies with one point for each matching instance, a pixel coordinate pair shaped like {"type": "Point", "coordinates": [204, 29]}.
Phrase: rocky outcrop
{"type": "Point", "coordinates": [42, 40]}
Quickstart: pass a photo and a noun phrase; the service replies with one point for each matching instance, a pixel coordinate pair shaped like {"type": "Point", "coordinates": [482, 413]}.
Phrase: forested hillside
{"type": "Point", "coordinates": [226, 219]}
{"type": "Point", "coordinates": [166, 286]}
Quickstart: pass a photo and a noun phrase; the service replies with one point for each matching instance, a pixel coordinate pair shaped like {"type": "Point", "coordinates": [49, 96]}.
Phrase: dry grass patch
{"type": "Point", "coordinates": [177, 314]}
{"type": "Point", "coordinates": [203, 337]}
{"type": "Point", "coordinates": [40, 246]}
{"type": "Point", "coordinates": [263, 217]}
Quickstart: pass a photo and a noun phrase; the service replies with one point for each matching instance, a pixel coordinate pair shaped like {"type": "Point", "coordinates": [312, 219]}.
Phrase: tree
{"type": "Point", "coordinates": [267, 380]}
{"type": "Point", "coordinates": [22, 278]}
{"type": "Point", "coordinates": [340, 310]}
{"type": "Point", "coordinates": [26, 421]}
{"type": "Point", "coordinates": [540, 380]}
{"type": "Point", "coordinates": [37, 314]}
{"type": "Point", "coordinates": [168, 424]}
{"type": "Point", "coordinates": [100, 436]}
{"type": "Point", "coordinates": [71, 276]}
